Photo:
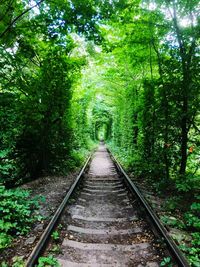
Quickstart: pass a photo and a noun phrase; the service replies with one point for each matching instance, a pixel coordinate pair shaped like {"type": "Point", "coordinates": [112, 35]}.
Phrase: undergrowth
{"type": "Point", "coordinates": [18, 212]}
{"type": "Point", "coordinates": [48, 261]}
{"type": "Point", "coordinates": [182, 199]}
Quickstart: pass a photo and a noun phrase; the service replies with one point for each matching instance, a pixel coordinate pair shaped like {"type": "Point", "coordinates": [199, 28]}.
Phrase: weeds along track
{"type": "Point", "coordinates": [105, 223]}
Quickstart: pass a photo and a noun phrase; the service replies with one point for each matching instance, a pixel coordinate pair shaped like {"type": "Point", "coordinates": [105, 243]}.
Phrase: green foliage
{"type": "Point", "coordinates": [171, 203]}
{"type": "Point", "coordinates": [166, 262]}
{"type": "Point", "coordinates": [35, 96]}
{"type": "Point", "coordinates": [4, 264]}
{"type": "Point", "coordinates": [56, 249]}
{"type": "Point", "coordinates": [190, 223]}
{"type": "Point", "coordinates": [172, 221]}
{"type": "Point", "coordinates": [8, 133]}
{"type": "Point", "coordinates": [74, 72]}
{"type": "Point", "coordinates": [48, 261]}
{"type": "Point", "coordinates": [55, 235]}
{"type": "Point", "coordinates": [18, 262]}
{"type": "Point", "coordinates": [192, 254]}
{"type": "Point", "coordinates": [5, 239]}
{"type": "Point", "coordinates": [17, 214]}
{"type": "Point", "coordinates": [192, 216]}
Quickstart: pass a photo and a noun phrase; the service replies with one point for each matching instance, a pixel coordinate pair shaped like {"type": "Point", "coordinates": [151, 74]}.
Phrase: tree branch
{"type": "Point", "coordinates": [18, 17]}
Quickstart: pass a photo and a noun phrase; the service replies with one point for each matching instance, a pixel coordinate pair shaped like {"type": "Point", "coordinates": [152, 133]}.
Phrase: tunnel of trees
{"type": "Point", "coordinates": [124, 71]}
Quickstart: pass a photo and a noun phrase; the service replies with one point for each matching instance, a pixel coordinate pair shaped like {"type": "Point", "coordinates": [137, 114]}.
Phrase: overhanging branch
{"type": "Point", "coordinates": [18, 17]}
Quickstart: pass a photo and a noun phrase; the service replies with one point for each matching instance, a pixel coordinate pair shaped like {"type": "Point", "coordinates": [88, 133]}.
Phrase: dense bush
{"type": "Point", "coordinates": [17, 212]}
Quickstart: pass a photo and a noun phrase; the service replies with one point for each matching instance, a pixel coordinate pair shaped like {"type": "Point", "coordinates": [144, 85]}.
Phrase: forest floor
{"type": "Point", "coordinates": [170, 219]}
{"type": "Point", "coordinates": [52, 190]}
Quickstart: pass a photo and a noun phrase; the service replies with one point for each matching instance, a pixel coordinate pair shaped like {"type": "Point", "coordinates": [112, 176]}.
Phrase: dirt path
{"type": "Point", "coordinates": [104, 227]}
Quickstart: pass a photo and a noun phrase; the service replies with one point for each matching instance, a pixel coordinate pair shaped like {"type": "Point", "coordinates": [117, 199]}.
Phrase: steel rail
{"type": "Point", "coordinates": [175, 251]}
{"type": "Point", "coordinates": [44, 238]}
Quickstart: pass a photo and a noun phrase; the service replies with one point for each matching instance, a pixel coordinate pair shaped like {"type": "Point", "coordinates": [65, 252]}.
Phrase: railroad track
{"type": "Point", "coordinates": [108, 224]}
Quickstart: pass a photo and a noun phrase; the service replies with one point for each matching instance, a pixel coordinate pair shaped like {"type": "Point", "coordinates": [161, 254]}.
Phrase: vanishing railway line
{"type": "Point", "coordinates": [109, 222]}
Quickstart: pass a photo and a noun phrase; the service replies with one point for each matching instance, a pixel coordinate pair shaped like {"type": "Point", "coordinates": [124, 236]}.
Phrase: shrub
{"type": "Point", "coordinates": [16, 214]}
{"type": "Point", "coordinates": [48, 261]}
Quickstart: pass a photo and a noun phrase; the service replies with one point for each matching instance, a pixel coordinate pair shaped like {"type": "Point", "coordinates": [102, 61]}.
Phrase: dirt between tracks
{"type": "Point", "coordinates": [53, 189]}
